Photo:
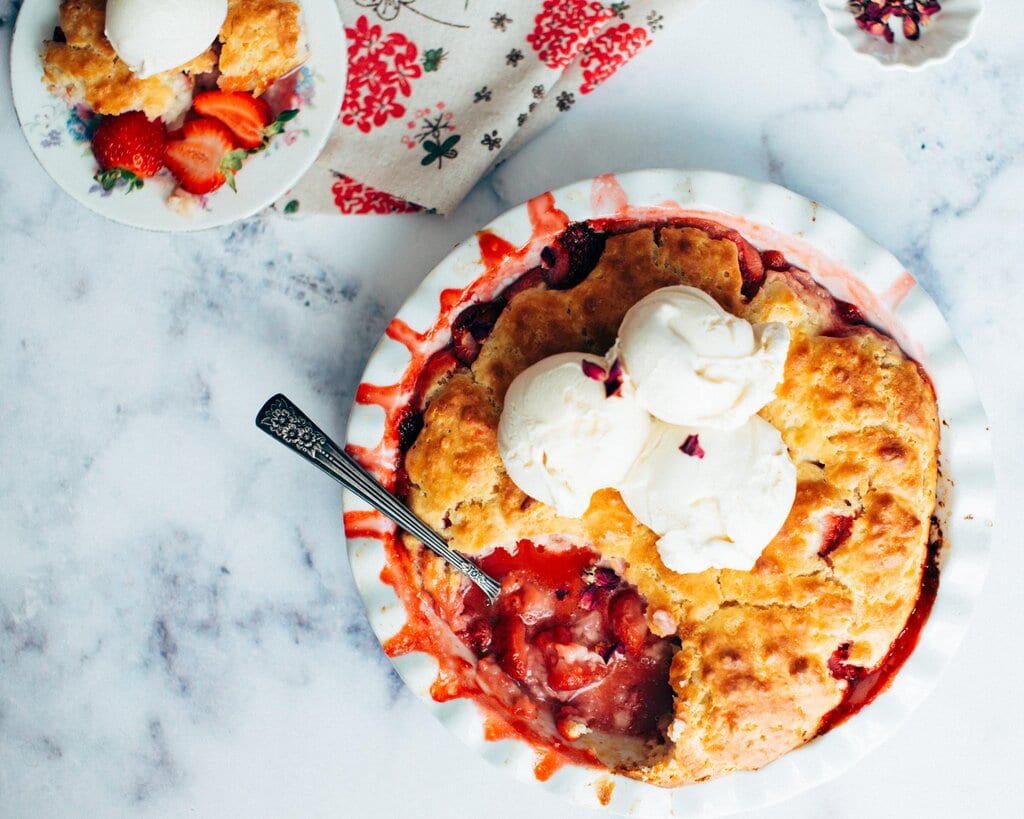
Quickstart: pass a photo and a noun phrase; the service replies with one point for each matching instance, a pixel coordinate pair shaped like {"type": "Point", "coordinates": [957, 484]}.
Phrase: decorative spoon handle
{"type": "Point", "coordinates": [285, 422]}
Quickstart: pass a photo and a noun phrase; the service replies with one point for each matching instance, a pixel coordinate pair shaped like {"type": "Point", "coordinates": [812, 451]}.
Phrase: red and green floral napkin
{"type": "Point", "coordinates": [440, 90]}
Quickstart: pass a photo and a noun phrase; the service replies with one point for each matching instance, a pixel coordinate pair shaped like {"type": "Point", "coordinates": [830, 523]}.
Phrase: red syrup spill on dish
{"type": "Point", "coordinates": [431, 358]}
{"type": "Point", "coordinates": [865, 684]}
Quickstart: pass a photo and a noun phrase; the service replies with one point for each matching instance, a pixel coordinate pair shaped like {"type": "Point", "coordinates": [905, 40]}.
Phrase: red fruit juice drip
{"type": "Point", "coordinates": [864, 684]}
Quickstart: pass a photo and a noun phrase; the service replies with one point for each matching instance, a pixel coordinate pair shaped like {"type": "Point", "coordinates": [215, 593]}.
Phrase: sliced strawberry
{"type": "Point", "coordinates": [128, 147]}
{"type": "Point", "coordinates": [531, 278]}
{"type": "Point", "coordinates": [509, 641]}
{"type": "Point", "coordinates": [471, 328]}
{"type": "Point", "coordinates": [246, 116]}
{"type": "Point", "coordinates": [626, 613]}
{"type": "Point", "coordinates": [205, 158]}
{"type": "Point", "coordinates": [438, 367]}
{"type": "Point", "coordinates": [774, 260]}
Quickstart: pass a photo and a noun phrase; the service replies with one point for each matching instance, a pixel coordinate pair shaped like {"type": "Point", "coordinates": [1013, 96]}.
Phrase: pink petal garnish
{"type": "Point", "coordinates": [613, 383]}
{"type": "Point", "coordinates": [594, 371]}
{"type": "Point", "coordinates": [691, 447]}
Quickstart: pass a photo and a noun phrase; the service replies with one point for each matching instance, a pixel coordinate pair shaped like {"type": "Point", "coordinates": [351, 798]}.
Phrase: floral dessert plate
{"type": "Point", "coordinates": [59, 134]}
{"type": "Point", "coordinates": [839, 257]}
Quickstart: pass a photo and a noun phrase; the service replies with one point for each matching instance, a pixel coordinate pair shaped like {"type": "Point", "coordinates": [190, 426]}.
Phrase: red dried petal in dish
{"type": "Point", "coordinates": [911, 29]}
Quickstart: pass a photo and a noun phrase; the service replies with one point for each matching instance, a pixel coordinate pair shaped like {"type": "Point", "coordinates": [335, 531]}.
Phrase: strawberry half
{"type": "Point", "coordinates": [205, 157]}
{"type": "Point", "coordinates": [128, 147]}
{"type": "Point", "coordinates": [246, 116]}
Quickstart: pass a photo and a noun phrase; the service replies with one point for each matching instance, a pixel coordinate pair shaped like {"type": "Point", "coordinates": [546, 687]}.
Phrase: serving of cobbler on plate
{"type": "Point", "coordinates": [202, 111]}
{"type": "Point", "coordinates": [706, 485]}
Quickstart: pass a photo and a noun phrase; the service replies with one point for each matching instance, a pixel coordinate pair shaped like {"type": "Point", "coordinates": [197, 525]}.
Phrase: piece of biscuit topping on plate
{"type": "Point", "coordinates": [85, 69]}
{"type": "Point", "coordinates": [261, 41]}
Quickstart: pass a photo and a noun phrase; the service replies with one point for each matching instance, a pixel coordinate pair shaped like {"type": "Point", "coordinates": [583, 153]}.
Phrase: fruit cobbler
{"type": "Point", "coordinates": [751, 571]}
{"type": "Point", "coordinates": [177, 85]}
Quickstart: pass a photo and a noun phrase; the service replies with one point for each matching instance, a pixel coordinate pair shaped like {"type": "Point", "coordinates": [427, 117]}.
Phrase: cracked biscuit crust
{"type": "Point", "coordinates": [261, 42]}
{"type": "Point", "coordinates": [751, 678]}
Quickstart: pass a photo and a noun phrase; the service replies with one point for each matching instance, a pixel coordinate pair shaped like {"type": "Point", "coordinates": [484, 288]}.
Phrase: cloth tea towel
{"type": "Point", "coordinates": [439, 90]}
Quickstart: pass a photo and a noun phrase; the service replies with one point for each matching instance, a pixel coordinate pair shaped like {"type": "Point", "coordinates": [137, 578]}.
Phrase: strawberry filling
{"type": "Point", "coordinates": [572, 636]}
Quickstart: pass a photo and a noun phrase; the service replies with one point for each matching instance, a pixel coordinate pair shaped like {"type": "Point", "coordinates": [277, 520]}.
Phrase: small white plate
{"type": "Point", "coordinates": [59, 133]}
{"type": "Point", "coordinates": [854, 269]}
{"type": "Point", "coordinates": [947, 31]}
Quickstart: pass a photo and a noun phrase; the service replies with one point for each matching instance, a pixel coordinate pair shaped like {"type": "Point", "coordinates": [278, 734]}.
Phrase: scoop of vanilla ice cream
{"type": "Point", "coordinates": [151, 36]}
{"type": "Point", "coordinates": [694, 364]}
{"type": "Point", "coordinates": [562, 438]}
{"type": "Point", "coordinates": [715, 497]}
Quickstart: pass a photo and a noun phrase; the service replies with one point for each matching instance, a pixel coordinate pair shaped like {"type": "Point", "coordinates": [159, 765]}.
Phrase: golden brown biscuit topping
{"type": "Point", "coordinates": [261, 42]}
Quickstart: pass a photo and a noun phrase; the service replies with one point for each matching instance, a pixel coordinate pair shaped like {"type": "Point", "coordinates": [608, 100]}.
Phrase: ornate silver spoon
{"type": "Point", "coordinates": [289, 425]}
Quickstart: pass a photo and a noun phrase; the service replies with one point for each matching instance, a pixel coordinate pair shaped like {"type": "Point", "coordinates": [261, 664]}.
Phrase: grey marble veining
{"type": "Point", "coordinates": [179, 631]}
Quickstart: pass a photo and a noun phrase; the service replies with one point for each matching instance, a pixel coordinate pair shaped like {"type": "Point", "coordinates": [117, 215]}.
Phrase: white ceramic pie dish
{"type": "Point", "coordinates": [812, 237]}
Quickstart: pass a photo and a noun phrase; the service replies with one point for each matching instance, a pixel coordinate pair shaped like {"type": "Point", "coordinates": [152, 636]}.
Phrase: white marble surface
{"type": "Point", "coordinates": [179, 631]}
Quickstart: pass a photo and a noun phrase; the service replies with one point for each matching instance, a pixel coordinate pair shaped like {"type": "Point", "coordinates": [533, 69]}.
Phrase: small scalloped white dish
{"type": "Point", "coordinates": [59, 134]}
{"type": "Point", "coordinates": [946, 32]}
{"type": "Point", "coordinates": [854, 269]}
